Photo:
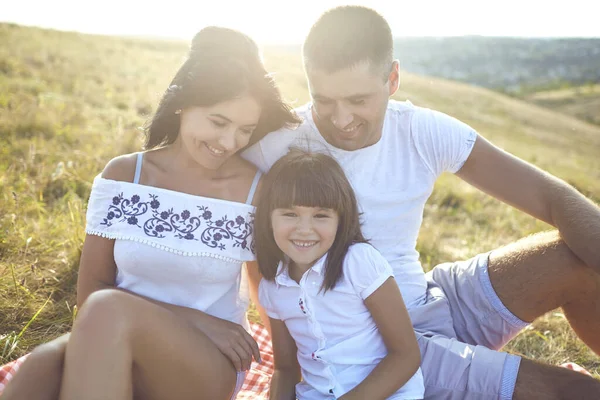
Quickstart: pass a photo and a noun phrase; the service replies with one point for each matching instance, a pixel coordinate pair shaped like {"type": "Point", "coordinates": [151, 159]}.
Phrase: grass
{"type": "Point", "coordinates": [70, 102]}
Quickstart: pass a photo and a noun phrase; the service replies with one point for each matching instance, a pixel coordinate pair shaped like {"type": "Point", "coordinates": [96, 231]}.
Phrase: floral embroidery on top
{"type": "Point", "coordinates": [183, 225]}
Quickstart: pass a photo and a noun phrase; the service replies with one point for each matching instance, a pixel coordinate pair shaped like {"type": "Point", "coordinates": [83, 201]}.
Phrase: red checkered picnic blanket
{"type": "Point", "coordinates": [256, 385]}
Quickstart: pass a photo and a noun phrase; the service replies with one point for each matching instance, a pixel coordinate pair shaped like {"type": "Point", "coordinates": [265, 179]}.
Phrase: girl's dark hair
{"type": "Point", "coordinates": [222, 64]}
{"type": "Point", "coordinates": [307, 179]}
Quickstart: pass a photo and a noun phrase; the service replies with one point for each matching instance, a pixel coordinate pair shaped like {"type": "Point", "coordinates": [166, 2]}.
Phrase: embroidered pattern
{"type": "Point", "coordinates": [301, 304]}
{"type": "Point", "coordinates": [202, 225]}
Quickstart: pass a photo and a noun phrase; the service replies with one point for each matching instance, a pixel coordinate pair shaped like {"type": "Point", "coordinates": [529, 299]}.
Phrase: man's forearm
{"type": "Point", "coordinates": [578, 222]}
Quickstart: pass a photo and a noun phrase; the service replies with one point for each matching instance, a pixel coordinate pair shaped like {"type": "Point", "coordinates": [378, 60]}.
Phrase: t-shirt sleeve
{"type": "Point", "coordinates": [265, 289]}
{"type": "Point", "coordinates": [276, 144]}
{"type": "Point", "coordinates": [443, 142]}
{"type": "Point", "coordinates": [271, 148]}
{"type": "Point", "coordinates": [255, 155]}
{"type": "Point", "coordinates": [366, 269]}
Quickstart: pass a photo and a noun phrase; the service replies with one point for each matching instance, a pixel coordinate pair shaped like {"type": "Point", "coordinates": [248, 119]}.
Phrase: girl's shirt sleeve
{"type": "Point", "coordinates": [366, 269]}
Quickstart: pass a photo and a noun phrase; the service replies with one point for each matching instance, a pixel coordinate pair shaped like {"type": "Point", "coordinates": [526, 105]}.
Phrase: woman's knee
{"type": "Point", "coordinates": [51, 353]}
{"type": "Point", "coordinates": [106, 311]}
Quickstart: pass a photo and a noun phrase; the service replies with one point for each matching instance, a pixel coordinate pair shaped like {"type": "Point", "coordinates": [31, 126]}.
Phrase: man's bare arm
{"type": "Point", "coordinates": [539, 194]}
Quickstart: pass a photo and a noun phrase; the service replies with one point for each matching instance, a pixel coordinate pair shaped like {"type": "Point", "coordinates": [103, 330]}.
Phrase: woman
{"type": "Point", "coordinates": [160, 288]}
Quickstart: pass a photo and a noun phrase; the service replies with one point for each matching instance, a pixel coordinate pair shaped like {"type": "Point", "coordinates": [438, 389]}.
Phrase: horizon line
{"type": "Point", "coordinates": [297, 43]}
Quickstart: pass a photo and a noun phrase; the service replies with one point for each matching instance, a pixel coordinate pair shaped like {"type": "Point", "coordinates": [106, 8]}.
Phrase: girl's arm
{"type": "Point", "coordinates": [403, 358]}
{"type": "Point", "coordinates": [287, 370]}
{"type": "Point", "coordinates": [254, 277]}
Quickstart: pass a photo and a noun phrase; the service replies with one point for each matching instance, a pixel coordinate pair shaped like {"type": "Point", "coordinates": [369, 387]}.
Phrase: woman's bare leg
{"type": "Point", "coordinates": [121, 343]}
{"type": "Point", "coordinates": [40, 375]}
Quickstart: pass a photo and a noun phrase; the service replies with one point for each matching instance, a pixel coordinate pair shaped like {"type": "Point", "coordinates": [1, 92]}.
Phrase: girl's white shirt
{"type": "Point", "coordinates": [337, 339]}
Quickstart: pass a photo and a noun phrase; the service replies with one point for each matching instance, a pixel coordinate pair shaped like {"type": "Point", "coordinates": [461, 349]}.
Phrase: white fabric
{"type": "Point", "coordinates": [175, 247]}
{"type": "Point", "coordinates": [392, 178]}
{"type": "Point", "coordinates": [337, 339]}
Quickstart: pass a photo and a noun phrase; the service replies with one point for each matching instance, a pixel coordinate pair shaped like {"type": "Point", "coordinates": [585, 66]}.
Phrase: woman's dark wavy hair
{"type": "Point", "coordinates": [307, 179]}
{"type": "Point", "coordinates": [222, 64]}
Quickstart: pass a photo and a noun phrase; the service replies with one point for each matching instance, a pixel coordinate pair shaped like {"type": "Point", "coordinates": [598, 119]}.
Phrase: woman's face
{"type": "Point", "coordinates": [213, 134]}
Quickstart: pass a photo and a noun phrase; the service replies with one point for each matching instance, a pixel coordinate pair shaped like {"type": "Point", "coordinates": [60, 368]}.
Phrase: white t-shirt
{"type": "Point", "coordinates": [392, 179]}
{"type": "Point", "coordinates": [338, 341]}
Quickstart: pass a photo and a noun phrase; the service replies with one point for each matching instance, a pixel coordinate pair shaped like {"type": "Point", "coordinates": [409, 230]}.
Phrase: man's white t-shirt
{"type": "Point", "coordinates": [392, 179]}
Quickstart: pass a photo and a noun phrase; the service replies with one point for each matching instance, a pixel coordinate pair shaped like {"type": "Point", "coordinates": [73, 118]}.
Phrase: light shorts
{"type": "Point", "coordinates": [460, 325]}
{"type": "Point", "coordinates": [241, 377]}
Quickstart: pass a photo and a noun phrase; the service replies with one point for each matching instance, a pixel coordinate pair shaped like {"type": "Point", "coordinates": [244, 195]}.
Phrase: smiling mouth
{"type": "Point", "coordinates": [214, 151]}
{"type": "Point", "coordinates": [304, 244]}
{"type": "Point", "coordinates": [349, 133]}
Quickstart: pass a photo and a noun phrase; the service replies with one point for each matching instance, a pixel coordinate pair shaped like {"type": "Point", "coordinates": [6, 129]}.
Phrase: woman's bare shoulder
{"type": "Point", "coordinates": [121, 168]}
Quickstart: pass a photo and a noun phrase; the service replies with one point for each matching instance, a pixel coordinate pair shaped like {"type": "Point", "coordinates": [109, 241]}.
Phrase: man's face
{"type": "Point", "coordinates": [349, 105]}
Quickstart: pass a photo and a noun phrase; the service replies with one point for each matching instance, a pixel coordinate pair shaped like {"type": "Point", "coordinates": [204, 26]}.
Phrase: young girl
{"type": "Point", "coordinates": [162, 315]}
{"type": "Point", "coordinates": [337, 317]}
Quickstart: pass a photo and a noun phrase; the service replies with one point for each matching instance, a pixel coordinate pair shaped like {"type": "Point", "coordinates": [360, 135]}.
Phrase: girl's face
{"type": "Point", "coordinates": [213, 134]}
{"type": "Point", "coordinates": [304, 234]}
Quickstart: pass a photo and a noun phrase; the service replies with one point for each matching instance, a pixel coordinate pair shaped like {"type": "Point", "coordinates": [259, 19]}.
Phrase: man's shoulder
{"type": "Point", "coordinates": [397, 106]}
{"type": "Point", "coordinates": [276, 144]}
{"type": "Point", "coordinates": [423, 118]}
{"type": "Point", "coordinates": [282, 133]}
{"type": "Point", "coordinates": [406, 108]}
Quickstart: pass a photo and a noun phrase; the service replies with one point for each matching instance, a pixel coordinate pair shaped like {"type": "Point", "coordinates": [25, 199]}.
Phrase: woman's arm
{"type": "Point", "coordinates": [403, 359]}
{"type": "Point", "coordinates": [97, 268]}
{"type": "Point", "coordinates": [254, 277]}
{"type": "Point", "coordinates": [287, 370]}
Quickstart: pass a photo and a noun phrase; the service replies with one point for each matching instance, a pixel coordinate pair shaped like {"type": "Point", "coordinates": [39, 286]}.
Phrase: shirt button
{"type": "Point", "coordinates": [331, 391]}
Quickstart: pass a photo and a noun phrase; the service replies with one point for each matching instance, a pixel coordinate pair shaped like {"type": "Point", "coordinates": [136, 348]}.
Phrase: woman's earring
{"type": "Point", "coordinates": [178, 111]}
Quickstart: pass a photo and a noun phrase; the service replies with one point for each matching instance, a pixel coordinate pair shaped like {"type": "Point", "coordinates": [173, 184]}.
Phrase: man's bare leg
{"type": "Point", "coordinates": [539, 381]}
{"type": "Point", "coordinates": [539, 274]}
{"type": "Point", "coordinates": [40, 375]}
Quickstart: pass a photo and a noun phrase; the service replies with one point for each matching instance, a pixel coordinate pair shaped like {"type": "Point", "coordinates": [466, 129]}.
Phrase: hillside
{"type": "Point", "coordinates": [70, 102]}
{"type": "Point", "coordinates": [582, 102]}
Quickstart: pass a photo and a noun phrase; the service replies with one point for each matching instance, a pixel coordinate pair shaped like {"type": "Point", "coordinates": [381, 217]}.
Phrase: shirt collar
{"type": "Point", "coordinates": [319, 265]}
{"type": "Point", "coordinates": [283, 275]}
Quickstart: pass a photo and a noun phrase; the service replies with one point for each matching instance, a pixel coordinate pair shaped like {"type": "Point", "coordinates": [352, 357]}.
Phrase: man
{"type": "Point", "coordinates": [393, 152]}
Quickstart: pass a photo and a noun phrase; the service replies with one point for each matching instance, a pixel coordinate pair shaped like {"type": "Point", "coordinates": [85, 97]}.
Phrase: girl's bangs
{"type": "Point", "coordinates": [304, 186]}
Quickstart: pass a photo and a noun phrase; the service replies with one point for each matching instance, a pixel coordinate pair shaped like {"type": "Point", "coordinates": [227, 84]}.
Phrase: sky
{"type": "Point", "coordinates": [286, 22]}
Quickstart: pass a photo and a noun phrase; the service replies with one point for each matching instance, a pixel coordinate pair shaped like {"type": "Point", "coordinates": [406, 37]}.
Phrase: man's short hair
{"type": "Point", "coordinates": [346, 36]}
